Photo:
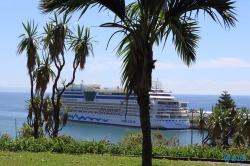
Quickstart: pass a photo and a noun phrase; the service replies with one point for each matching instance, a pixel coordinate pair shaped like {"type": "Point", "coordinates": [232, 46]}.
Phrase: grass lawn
{"type": "Point", "coordinates": [51, 159]}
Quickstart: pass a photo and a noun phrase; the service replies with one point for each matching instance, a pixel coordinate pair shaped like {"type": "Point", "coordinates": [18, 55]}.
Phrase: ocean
{"type": "Point", "coordinates": [13, 112]}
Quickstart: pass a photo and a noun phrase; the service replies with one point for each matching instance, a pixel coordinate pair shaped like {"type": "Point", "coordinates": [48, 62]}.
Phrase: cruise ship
{"type": "Point", "coordinates": [91, 103]}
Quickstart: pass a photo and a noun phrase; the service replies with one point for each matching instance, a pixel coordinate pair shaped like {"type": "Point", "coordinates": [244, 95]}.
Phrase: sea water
{"type": "Point", "coordinates": [13, 112]}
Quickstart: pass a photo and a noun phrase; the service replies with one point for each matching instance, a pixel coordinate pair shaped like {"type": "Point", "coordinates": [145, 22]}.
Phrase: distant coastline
{"type": "Point", "coordinates": [14, 89]}
{"type": "Point", "coordinates": [27, 89]}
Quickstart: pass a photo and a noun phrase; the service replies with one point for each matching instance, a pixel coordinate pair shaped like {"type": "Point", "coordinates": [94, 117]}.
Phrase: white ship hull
{"type": "Point", "coordinates": [131, 121]}
{"type": "Point", "coordinates": [110, 106]}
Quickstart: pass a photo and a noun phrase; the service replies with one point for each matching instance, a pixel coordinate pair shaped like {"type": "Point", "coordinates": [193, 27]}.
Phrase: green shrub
{"type": "Point", "coordinates": [66, 144]}
{"type": "Point", "coordinates": [135, 139]}
{"type": "Point", "coordinates": [28, 131]}
{"type": "Point", "coordinates": [6, 137]}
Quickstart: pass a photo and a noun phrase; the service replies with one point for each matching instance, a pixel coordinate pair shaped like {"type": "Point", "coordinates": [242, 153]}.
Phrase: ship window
{"type": "Point", "coordinates": [73, 92]}
{"type": "Point", "coordinates": [157, 94]}
{"type": "Point", "coordinates": [105, 93]}
{"type": "Point", "coordinates": [118, 94]}
{"type": "Point", "coordinates": [184, 104]}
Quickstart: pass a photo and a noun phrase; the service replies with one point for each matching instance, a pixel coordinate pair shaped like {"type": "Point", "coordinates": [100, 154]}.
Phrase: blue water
{"type": "Point", "coordinates": [207, 101]}
{"type": "Point", "coordinates": [13, 113]}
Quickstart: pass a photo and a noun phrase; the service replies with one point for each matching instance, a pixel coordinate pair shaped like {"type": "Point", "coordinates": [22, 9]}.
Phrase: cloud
{"type": "Point", "coordinates": [105, 58]}
{"type": "Point", "coordinates": [97, 64]}
{"type": "Point", "coordinates": [222, 62]}
{"type": "Point", "coordinates": [102, 65]}
{"type": "Point", "coordinates": [97, 67]}
{"type": "Point", "coordinates": [117, 63]}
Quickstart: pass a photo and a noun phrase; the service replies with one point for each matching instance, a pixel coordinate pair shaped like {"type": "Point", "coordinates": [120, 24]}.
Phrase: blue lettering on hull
{"type": "Point", "coordinates": [128, 121]}
{"type": "Point", "coordinates": [86, 118]}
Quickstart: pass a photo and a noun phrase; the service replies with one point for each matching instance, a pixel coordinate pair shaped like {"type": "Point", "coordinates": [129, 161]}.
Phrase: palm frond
{"type": "Point", "coordinates": [81, 44]}
{"type": "Point", "coordinates": [56, 32]}
{"type": "Point", "coordinates": [43, 74]}
{"type": "Point", "coordinates": [185, 38]}
{"type": "Point", "coordinates": [61, 6]}
{"type": "Point", "coordinates": [29, 42]}
{"type": "Point", "coordinates": [224, 8]}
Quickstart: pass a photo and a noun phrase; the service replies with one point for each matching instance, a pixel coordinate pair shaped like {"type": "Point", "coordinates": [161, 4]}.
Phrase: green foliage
{"type": "Point", "coordinates": [159, 139]}
{"type": "Point", "coordinates": [135, 139]}
{"type": "Point", "coordinates": [46, 121]}
{"type": "Point", "coordinates": [131, 145]}
{"type": "Point", "coordinates": [228, 127]}
{"type": "Point", "coordinates": [225, 101]}
{"type": "Point", "coordinates": [5, 137]}
{"type": "Point", "coordinates": [67, 145]}
{"type": "Point", "coordinates": [56, 35]}
{"type": "Point", "coordinates": [28, 131]}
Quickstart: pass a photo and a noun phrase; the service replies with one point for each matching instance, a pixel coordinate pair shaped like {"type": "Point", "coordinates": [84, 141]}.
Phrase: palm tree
{"type": "Point", "coordinates": [56, 32]}
{"type": "Point", "coordinates": [219, 126]}
{"type": "Point", "coordinates": [48, 116]}
{"type": "Point", "coordinates": [238, 139]}
{"type": "Point", "coordinates": [145, 23]}
{"type": "Point", "coordinates": [40, 72]}
{"type": "Point", "coordinates": [81, 45]}
{"type": "Point", "coordinates": [242, 127]}
{"type": "Point", "coordinates": [45, 111]}
{"type": "Point", "coordinates": [42, 75]}
{"type": "Point", "coordinates": [214, 127]}
{"type": "Point", "coordinates": [138, 63]}
{"type": "Point", "coordinates": [245, 123]}
{"type": "Point", "coordinates": [30, 42]}
{"type": "Point", "coordinates": [201, 123]}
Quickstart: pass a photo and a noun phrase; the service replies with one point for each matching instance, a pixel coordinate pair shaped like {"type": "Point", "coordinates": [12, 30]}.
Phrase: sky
{"type": "Point", "coordinates": [222, 62]}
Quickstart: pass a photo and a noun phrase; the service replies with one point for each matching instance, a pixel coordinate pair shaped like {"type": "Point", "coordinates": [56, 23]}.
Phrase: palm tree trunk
{"type": "Point", "coordinates": [143, 101]}
{"type": "Point", "coordinates": [57, 112]}
{"type": "Point", "coordinates": [225, 140]}
{"type": "Point", "coordinates": [36, 128]}
{"type": "Point", "coordinates": [55, 107]}
{"type": "Point", "coordinates": [33, 105]}
{"type": "Point", "coordinates": [54, 89]}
